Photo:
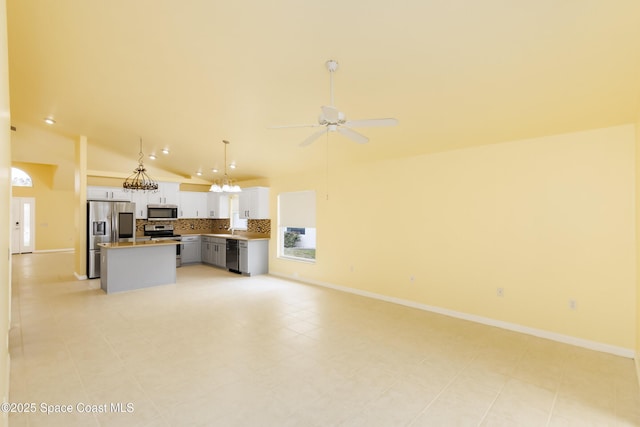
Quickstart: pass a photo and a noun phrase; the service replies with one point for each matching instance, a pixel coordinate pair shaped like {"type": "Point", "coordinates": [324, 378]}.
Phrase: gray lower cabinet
{"type": "Point", "coordinates": [214, 251]}
{"type": "Point", "coordinates": [254, 256]}
{"type": "Point", "coordinates": [191, 249]}
{"type": "Point", "coordinates": [207, 250]}
{"type": "Point", "coordinates": [220, 253]}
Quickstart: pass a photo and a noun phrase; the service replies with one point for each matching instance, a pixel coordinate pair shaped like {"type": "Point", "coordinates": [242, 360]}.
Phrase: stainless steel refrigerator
{"type": "Point", "coordinates": [107, 222]}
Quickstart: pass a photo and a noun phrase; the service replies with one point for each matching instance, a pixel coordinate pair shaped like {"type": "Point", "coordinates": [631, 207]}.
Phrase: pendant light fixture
{"type": "Point", "coordinates": [139, 180]}
{"type": "Point", "coordinates": [226, 185]}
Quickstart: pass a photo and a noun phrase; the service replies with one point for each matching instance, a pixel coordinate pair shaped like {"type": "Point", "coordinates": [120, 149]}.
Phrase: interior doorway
{"type": "Point", "coordinates": [23, 213]}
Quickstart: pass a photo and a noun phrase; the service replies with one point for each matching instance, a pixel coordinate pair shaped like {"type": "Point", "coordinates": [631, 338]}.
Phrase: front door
{"type": "Point", "coordinates": [23, 212]}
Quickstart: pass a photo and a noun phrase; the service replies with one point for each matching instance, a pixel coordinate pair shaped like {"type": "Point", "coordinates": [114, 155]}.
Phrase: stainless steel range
{"type": "Point", "coordinates": [164, 232]}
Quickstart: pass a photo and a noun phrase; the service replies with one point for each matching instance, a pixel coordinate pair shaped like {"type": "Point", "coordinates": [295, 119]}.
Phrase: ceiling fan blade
{"type": "Point", "coordinates": [313, 137]}
{"type": "Point", "coordinates": [369, 123]}
{"type": "Point", "coordinates": [294, 126]}
{"type": "Point", "coordinates": [331, 114]}
{"type": "Point", "coordinates": [353, 135]}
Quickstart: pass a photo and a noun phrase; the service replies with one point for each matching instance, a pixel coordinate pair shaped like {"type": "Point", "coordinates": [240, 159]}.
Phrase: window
{"type": "Point", "coordinates": [296, 230]}
{"type": "Point", "coordinates": [237, 223]}
{"type": "Point", "coordinates": [20, 178]}
{"type": "Point", "coordinates": [297, 225]}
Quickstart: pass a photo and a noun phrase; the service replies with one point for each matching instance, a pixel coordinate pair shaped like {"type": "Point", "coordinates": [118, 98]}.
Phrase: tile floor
{"type": "Point", "coordinates": [218, 349]}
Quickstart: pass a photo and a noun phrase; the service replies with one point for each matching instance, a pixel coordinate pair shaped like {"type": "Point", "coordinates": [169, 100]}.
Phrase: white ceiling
{"type": "Point", "coordinates": [188, 74]}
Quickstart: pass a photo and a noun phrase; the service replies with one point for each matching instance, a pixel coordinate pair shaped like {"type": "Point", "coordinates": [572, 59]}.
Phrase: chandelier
{"type": "Point", "coordinates": [225, 185]}
{"type": "Point", "coordinates": [139, 180]}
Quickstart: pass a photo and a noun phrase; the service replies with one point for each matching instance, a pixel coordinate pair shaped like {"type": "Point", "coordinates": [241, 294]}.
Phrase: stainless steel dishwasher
{"type": "Point", "coordinates": [233, 258]}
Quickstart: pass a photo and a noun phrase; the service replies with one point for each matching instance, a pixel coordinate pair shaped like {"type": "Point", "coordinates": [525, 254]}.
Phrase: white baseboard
{"type": "Point", "coordinates": [80, 276]}
{"type": "Point", "coordinates": [567, 339]}
{"type": "Point", "coordinates": [44, 251]}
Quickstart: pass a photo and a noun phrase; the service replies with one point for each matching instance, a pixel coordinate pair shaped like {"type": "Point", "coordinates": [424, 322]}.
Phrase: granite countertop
{"type": "Point", "coordinates": [252, 236]}
{"type": "Point", "coordinates": [236, 236]}
{"type": "Point", "coordinates": [142, 244]}
{"type": "Point", "coordinates": [249, 236]}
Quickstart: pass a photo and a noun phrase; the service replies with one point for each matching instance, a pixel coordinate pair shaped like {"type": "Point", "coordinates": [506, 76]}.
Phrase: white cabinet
{"type": "Point", "coordinates": [168, 194]}
{"type": "Point", "coordinates": [108, 193]}
{"type": "Point", "coordinates": [140, 198]}
{"type": "Point", "coordinates": [191, 249]}
{"type": "Point", "coordinates": [254, 256]}
{"type": "Point", "coordinates": [254, 203]}
{"type": "Point", "coordinates": [217, 205]}
{"type": "Point", "coordinates": [193, 204]}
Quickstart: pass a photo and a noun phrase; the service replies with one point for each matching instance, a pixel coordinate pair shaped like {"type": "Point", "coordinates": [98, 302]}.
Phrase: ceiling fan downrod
{"type": "Point", "coordinates": [332, 66]}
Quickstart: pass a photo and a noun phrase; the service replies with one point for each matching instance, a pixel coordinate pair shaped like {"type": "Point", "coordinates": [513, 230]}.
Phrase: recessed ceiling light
{"type": "Point", "coordinates": [49, 121]}
{"type": "Point", "coordinates": [199, 173]}
{"type": "Point", "coordinates": [165, 151]}
{"type": "Point", "coordinates": [214, 170]}
{"type": "Point", "coordinates": [152, 156]}
{"type": "Point", "coordinates": [232, 165]}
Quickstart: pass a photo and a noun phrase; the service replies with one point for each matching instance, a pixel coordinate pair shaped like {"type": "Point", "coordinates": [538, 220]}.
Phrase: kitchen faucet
{"type": "Point", "coordinates": [231, 229]}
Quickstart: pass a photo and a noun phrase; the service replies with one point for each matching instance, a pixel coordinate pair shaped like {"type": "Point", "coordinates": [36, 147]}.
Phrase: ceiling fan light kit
{"type": "Point", "coordinates": [333, 120]}
{"type": "Point", "coordinates": [226, 184]}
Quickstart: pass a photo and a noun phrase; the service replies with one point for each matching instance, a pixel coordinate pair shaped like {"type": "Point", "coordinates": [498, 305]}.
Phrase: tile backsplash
{"type": "Point", "coordinates": [209, 226]}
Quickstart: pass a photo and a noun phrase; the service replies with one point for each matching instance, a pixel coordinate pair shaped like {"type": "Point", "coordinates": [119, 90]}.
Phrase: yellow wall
{"type": "Point", "coordinates": [195, 187]}
{"type": "Point", "coordinates": [549, 220]}
{"type": "Point", "coordinates": [104, 181]}
{"type": "Point", "coordinates": [40, 145]}
{"type": "Point", "coordinates": [5, 199]}
{"type": "Point", "coordinates": [55, 208]}
{"type": "Point", "coordinates": [638, 247]}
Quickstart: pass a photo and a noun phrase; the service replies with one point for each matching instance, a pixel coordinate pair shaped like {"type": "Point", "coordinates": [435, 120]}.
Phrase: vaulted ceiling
{"type": "Point", "coordinates": [187, 74]}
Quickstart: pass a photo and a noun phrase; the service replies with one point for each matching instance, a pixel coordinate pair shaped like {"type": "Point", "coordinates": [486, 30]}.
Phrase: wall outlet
{"type": "Point", "coordinates": [573, 304]}
{"type": "Point", "coordinates": [351, 268]}
{"type": "Point", "coordinates": [412, 278]}
{"type": "Point", "coordinates": [500, 292]}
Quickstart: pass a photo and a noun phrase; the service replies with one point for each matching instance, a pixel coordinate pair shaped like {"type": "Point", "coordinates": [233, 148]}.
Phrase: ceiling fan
{"type": "Point", "coordinates": [333, 120]}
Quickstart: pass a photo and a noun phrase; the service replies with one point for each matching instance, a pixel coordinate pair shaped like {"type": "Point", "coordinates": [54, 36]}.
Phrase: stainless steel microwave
{"type": "Point", "coordinates": [162, 212]}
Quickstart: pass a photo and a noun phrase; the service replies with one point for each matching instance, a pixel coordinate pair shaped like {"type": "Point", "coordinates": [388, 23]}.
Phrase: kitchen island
{"type": "Point", "coordinates": [127, 266]}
